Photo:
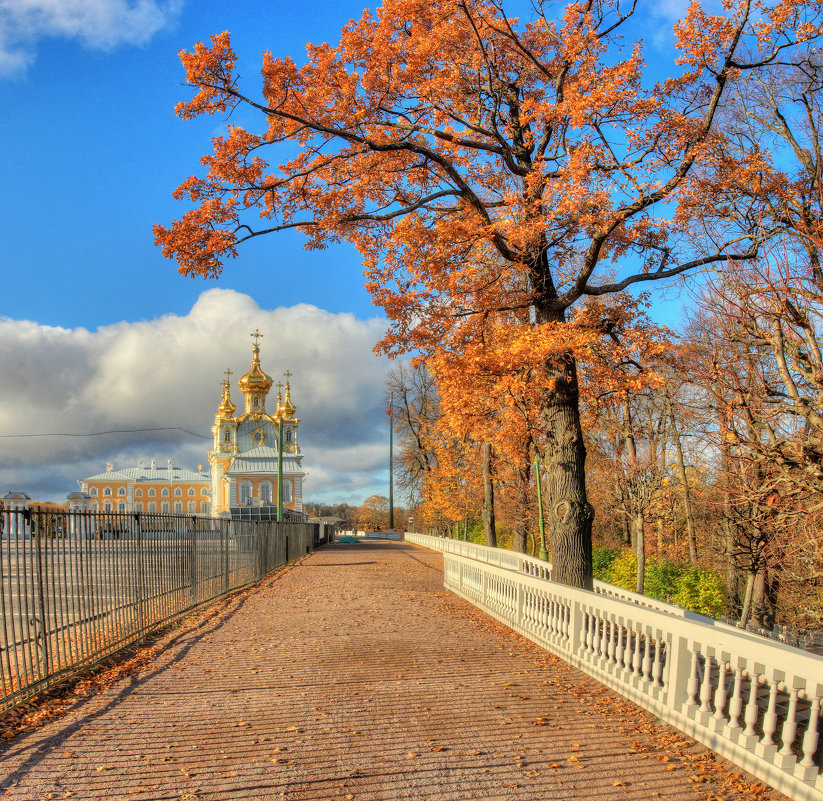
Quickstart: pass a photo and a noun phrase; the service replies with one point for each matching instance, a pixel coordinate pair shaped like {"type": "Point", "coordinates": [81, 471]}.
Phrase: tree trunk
{"type": "Point", "coordinates": [488, 496]}
{"type": "Point", "coordinates": [687, 500]}
{"type": "Point", "coordinates": [638, 521]}
{"type": "Point", "coordinates": [567, 511]}
{"type": "Point", "coordinates": [522, 518]}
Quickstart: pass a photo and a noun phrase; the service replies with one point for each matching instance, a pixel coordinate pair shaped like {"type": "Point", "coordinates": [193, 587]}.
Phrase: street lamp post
{"type": "Point", "coordinates": [280, 467]}
{"type": "Point", "coordinates": [391, 462]}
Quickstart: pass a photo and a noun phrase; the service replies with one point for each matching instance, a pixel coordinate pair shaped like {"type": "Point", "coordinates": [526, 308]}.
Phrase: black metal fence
{"type": "Point", "coordinates": [78, 586]}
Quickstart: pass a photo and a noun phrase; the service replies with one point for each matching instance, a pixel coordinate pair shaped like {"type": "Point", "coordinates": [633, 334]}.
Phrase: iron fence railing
{"type": "Point", "coordinates": [78, 586]}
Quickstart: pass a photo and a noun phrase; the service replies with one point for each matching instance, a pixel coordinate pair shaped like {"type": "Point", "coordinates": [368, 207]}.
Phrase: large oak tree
{"type": "Point", "coordinates": [483, 164]}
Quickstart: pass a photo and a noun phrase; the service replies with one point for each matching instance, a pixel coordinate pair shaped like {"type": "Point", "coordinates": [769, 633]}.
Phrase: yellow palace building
{"type": "Point", "coordinates": [242, 482]}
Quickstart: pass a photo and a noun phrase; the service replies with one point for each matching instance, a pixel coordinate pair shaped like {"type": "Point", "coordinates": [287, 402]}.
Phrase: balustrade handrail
{"type": "Point", "coordinates": [755, 701]}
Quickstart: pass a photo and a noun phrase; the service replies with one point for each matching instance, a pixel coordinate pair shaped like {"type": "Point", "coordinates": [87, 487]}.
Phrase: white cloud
{"type": "Point", "coordinates": [167, 372]}
{"type": "Point", "coordinates": [99, 24]}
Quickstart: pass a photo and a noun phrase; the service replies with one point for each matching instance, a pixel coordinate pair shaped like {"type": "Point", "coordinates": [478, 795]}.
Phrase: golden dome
{"type": "Point", "coordinates": [288, 408]}
{"type": "Point", "coordinates": [226, 408]}
{"type": "Point", "coordinates": [255, 379]}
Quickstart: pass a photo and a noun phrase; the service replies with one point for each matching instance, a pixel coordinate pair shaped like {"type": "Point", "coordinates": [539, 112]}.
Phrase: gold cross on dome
{"type": "Point", "coordinates": [256, 336]}
{"type": "Point", "coordinates": [288, 376]}
{"type": "Point", "coordinates": [228, 378]}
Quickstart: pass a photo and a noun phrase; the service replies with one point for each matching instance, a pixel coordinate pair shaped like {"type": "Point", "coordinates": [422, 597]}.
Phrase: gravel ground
{"type": "Point", "coordinates": [353, 675]}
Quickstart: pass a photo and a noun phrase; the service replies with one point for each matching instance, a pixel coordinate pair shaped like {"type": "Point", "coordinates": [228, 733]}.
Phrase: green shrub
{"type": "Point", "coordinates": [702, 591]}
{"type": "Point", "coordinates": [602, 560]}
{"type": "Point", "coordinates": [694, 588]}
{"type": "Point", "coordinates": [623, 571]}
{"type": "Point", "coordinates": [662, 579]}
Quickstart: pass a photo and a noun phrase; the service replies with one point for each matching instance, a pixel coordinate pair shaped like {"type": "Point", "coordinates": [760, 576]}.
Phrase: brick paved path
{"type": "Point", "coordinates": [351, 675]}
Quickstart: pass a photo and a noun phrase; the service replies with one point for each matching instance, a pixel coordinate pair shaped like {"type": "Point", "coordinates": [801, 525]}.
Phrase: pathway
{"type": "Point", "coordinates": [353, 675]}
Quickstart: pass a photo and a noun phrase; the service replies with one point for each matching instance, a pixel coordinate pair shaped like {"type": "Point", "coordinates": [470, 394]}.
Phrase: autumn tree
{"type": "Point", "coordinates": [482, 163]}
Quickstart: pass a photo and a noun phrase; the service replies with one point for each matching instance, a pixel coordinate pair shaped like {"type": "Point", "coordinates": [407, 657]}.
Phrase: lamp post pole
{"type": "Point", "coordinates": [280, 468]}
{"type": "Point", "coordinates": [391, 462]}
{"type": "Point", "coordinates": [542, 553]}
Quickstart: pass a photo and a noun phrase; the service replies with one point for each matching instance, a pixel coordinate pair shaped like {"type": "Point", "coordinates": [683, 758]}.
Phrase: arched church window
{"type": "Point", "coordinates": [265, 492]}
{"type": "Point", "coordinates": [288, 436]}
{"type": "Point", "coordinates": [254, 402]}
{"type": "Point", "coordinates": [227, 436]}
{"type": "Point", "coordinates": [287, 492]}
{"type": "Point", "coordinates": [152, 492]}
{"type": "Point", "coordinates": [245, 493]}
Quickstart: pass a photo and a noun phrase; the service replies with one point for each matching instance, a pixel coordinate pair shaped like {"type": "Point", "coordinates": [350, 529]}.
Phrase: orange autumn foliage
{"type": "Point", "coordinates": [488, 167]}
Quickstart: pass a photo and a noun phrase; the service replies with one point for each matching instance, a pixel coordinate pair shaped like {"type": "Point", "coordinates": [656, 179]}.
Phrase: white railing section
{"type": "Point", "coordinates": [755, 701]}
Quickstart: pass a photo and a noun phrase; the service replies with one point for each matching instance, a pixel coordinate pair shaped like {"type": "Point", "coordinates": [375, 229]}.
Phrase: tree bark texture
{"type": "Point", "coordinates": [522, 521]}
{"type": "Point", "coordinates": [568, 513]}
{"type": "Point", "coordinates": [488, 496]}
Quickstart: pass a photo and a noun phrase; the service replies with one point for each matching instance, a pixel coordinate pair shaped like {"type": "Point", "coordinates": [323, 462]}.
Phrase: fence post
{"type": "Point", "coordinates": [138, 518]}
{"type": "Point", "coordinates": [224, 536]}
{"type": "Point", "coordinates": [193, 558]}
{"type": "Point", "coordinates": [40, 600]}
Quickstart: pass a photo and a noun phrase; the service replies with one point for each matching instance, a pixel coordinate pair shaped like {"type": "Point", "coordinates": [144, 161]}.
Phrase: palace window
{"type": "Point", "coordinates": [204, 507]}
{"type": "Point", "coordinates": [165, 492]}
{"type": "Point", "coordinates": [178, 492]}
{"type": "Point", "coordinates": [121, 492]}
{"type": "Point", "coordinates": [138, 507]}
{"type": "Point", "coordinates": [138, 493]}
{"type": "Point", "coordinates": [107, 492]}
{"type": "Point", "coordinates": [93, 492]}
{"type": "Point", "coordinates": [191, 491]}
{"type": "Point", "coordinates": [94, 506]}
{"type": "Point", "coordinates": [204, 491]}
{"type": "Point", "coordinates": [287, 492]}
{"type": "Point", "coordinates": [265, 492]}
{"type": "Point", "coordinates": [152, 492]}
{"type": "Point", "coordinates": [152, 507]}
{"type": "Point", "coordinates": [164, 507]}
{"type": "Point", "coordinates": [121, 506]}
{"type": "Point", "coordinates": [107, 506]}
{"type": "Point", "coordinates": [191, 507]}
{"type": "Point", "coordinates": [178, 507]}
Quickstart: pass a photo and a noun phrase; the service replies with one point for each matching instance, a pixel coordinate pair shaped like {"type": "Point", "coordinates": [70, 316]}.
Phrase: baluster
{"type": "Point", "coordinates": [811, 736]}
{"type": "Point", "coordinates": [706, 685]}
{"type": "Point", "coordinates": [612, 641]}
{"type": "Point", "coordinates": [657, 667]}
{"type": "Point", "coordinates": [638, 651]}
{"type": "Point", "coordinates": [751, 707]}
{"type": "Point", "coordinates": [584, 630]}
{"type": "Point", "coordinates": [620, 646]}
{"type": "Point", "coordinates": [720, 692]}
{"type": "Point", "coordinates": [736, 704]}
{"type": "Point", "coordinates": [770, 718]}
{"type": "Point", "coordinates": [693, 683]}
{"type": "Point", "coordinates": [789, 732]}
{"type": "Point", "coordinates": [646, 668]}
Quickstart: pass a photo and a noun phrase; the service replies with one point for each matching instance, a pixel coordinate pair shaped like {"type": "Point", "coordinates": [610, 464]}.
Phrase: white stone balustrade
{"type": "Point", "coordinates": [755, 701]}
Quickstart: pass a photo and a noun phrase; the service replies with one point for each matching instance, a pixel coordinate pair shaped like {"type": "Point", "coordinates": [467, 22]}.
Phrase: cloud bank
{"type": "Point", "coordinates": [98, 24]}
{"type": "Point", "coordinates": [167, 372]}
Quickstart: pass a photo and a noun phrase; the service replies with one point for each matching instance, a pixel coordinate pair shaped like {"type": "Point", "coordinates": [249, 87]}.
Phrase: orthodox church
{"type": "Point", "coordinates": [244, 461]}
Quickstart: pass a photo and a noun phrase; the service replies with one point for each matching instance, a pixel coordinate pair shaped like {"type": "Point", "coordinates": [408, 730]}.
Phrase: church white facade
{"type": "Point", "coordinates": [244, 460]}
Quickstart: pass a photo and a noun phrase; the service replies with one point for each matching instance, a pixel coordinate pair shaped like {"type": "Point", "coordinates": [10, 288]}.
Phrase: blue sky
{"type": "Point", "coordinates": [91, 154]}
